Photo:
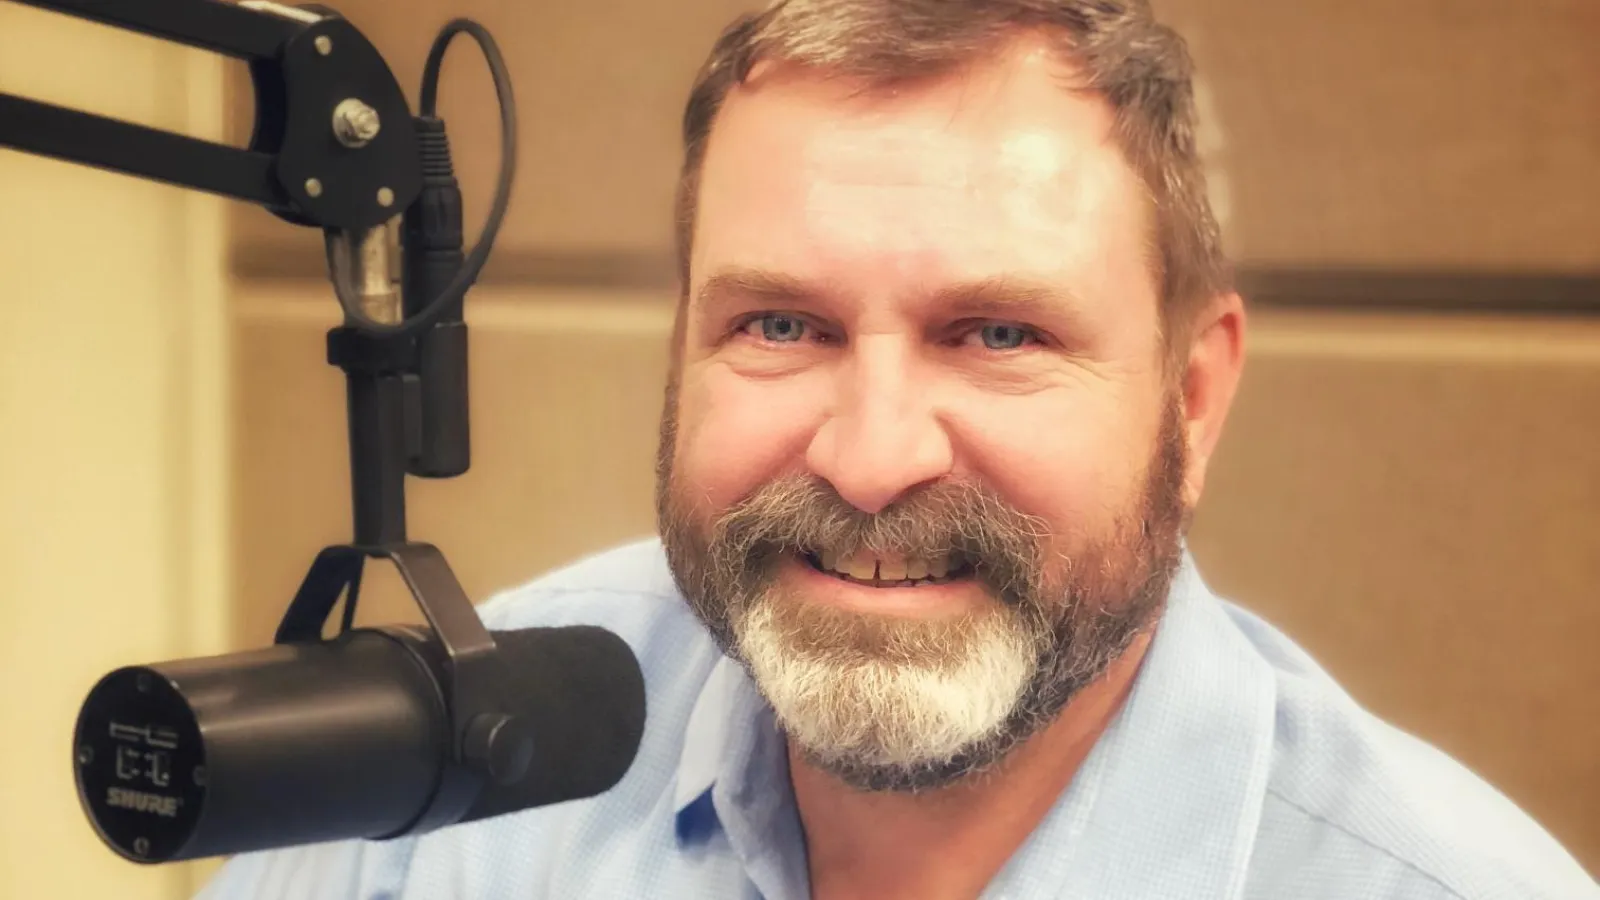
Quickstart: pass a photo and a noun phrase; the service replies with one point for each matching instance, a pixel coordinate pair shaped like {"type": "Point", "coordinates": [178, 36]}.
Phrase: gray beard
{"type": "Point", "coordinates": [889, 704]}
{"type": "Point", "coordinates": [909, 722]}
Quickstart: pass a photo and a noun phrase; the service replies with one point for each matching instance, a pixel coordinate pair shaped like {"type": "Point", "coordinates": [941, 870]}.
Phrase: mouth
{"type": "Point", "coordinates": [872, 570]}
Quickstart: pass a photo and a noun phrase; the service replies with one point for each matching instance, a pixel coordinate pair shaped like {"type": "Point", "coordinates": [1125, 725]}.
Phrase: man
{"type": "Point", "coordinates": [956, 342]}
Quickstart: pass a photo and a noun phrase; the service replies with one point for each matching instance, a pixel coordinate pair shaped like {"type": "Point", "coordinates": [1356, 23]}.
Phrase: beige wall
{"type": "Point", "coordinates": [113, 434]}
{"type": "Point", "coordinates": [1379, 133]}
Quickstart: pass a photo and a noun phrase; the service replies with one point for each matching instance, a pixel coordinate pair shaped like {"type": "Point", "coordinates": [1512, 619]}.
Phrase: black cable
{"type": "Point", "coordinates": [338, 268]}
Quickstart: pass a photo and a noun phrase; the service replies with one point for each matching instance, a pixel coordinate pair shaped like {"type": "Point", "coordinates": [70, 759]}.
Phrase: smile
{"type": "Point", "coordinates": [871, 570]}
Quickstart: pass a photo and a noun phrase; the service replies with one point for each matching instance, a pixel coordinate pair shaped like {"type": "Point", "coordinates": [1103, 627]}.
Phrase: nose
{"type": "Point", "coordinates": [884, 438]}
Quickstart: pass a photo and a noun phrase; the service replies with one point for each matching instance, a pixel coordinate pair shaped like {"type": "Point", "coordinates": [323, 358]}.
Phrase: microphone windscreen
{"type": "Point", "coordinates": [581, 692]}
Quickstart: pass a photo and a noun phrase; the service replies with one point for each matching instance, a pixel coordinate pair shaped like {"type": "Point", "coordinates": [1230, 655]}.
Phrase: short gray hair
{"type": "Point", "coordinates": [1141, 67]}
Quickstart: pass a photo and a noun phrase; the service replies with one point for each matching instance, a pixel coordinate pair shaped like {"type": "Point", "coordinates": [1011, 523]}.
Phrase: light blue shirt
{"type": "Point", "coordinates": [1237, 769]}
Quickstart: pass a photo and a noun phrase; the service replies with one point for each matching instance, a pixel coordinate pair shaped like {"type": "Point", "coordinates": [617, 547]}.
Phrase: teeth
{"type": "Point", "coordinates": [866, 567]}
{"type": "Point", "coordinates": [862, 567]}
{"type": "Point", "coordinates": [891, 571]}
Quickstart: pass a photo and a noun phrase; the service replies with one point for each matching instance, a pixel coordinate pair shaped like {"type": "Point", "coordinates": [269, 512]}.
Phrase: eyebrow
{"type": "Point", "coordinates": [739, 286]}
{"type": "Point", "coordinates": [998, 297]}
{"type": "Point", "coordinates": [1006, 297]}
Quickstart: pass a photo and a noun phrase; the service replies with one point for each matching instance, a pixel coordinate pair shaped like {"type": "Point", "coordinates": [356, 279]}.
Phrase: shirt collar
{"type": "Point", "coordinates": [734, 773]}
{"type": "Point", "coordinates": [712, 739]}
{"type": "Point", "coordinates": [1166, 804]}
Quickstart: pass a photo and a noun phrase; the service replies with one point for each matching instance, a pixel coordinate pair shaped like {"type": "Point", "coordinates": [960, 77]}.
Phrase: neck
{"type": "Point", "coordinates": [950, 842]}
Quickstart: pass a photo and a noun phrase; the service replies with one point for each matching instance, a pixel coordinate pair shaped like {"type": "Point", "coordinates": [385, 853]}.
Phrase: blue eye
{"type": "Point", "coordinates": [1003, 336]}
{"type": "Point", "coordinates": [781, 329]}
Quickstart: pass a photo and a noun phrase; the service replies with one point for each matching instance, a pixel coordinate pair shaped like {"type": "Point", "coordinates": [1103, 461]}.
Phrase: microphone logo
{"type": "Point", "coordinates": [139, 801]}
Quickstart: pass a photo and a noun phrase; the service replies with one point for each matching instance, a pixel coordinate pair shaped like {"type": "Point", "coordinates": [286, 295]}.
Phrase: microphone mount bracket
{"type": "Point", "coordinates": [489, 743]}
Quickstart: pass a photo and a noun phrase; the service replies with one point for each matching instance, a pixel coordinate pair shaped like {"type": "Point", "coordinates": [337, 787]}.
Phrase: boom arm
{"type": "Point", "coordinates": [333, 144]}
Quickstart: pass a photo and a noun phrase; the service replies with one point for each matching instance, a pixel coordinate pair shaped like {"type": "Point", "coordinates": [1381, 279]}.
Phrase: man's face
{"type": "Point", "coordinates": [921, 467]}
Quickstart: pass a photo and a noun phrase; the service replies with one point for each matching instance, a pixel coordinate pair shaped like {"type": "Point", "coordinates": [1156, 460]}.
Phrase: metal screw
{"type": "Point", "coordinates": [324, 44]}
{"type": "Point", "coordinates": [355, 124]}
{"type": "Point", "coordinates": [85, 755]}
{"type": "Point", "coordinates": [385, 197]}
{"type": "Point", "coordinates": [313, 187]}
{"type": "Point", "coordinates": [141, 846]}
{"type": "Point", "coordinates": [200, 776]}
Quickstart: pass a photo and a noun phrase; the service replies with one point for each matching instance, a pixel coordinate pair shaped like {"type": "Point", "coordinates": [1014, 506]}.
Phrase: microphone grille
{"type": "Point", "coordinates": [581, 692]}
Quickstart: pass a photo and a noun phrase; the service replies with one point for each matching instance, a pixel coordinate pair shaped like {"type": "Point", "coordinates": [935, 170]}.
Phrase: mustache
{"type": "Point", "coordinates": [804, 514]}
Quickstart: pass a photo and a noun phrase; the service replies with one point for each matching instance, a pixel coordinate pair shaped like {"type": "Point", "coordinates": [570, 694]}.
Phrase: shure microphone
{"type": "Point", "coordinates": [348, 738]}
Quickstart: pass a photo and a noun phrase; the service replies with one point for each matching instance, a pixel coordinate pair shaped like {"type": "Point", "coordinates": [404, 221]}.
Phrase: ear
{"type": "Point", "coordinates": [1215, 362]}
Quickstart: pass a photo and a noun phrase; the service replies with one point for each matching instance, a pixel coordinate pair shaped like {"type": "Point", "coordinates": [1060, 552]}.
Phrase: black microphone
{"type": "Point", "coordinates": [351, 737]}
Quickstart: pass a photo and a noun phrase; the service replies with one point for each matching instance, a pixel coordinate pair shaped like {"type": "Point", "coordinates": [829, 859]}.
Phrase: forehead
{"type": "Point", "coordinates": [996, 172]}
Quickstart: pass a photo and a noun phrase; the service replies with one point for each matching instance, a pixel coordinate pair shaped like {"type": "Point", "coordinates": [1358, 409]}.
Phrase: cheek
{"type": "Point", "coordinates": [737, 433]}
{"type": "Point", "coordinates": [1076, 460]}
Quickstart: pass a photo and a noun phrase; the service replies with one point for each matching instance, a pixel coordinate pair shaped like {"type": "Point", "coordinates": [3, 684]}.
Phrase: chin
{"type": "Point", "coordinates": [889, 700]}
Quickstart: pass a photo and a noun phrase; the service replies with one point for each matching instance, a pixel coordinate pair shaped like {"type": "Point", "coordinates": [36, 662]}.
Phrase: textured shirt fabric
{"type": "Point", "coordinates": [1236, 769]}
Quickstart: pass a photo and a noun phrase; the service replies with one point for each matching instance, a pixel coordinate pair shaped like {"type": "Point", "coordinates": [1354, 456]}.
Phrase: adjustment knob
{"type": "Point", "coordinates": [500, 746]}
